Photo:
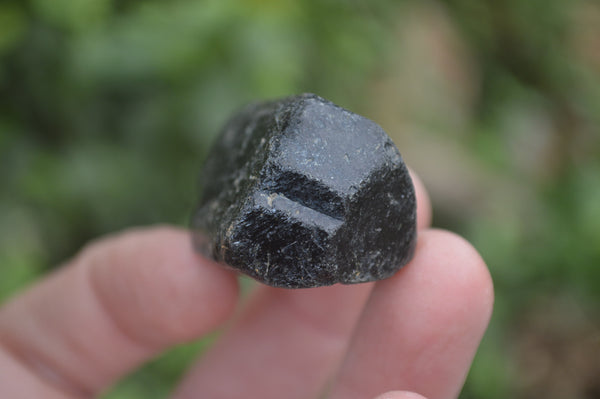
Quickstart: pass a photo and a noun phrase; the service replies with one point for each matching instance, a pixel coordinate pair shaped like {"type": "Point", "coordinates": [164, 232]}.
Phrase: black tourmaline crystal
{"type": "Point", "coordinates": [302, 193]}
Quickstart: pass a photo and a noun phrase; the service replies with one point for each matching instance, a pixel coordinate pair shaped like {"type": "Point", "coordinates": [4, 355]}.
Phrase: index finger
{"type": "Point", "coordinates": [424, 212]}
{"type": "Point", "coordinates": [421, 328]}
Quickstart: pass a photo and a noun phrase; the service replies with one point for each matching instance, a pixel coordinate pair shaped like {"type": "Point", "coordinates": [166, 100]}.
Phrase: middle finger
{"type": "Point", "coordinates": [285, 344]}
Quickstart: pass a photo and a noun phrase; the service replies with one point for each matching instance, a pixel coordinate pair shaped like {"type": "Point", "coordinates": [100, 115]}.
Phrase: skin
{"type": "Point", "coordinates": [128, 297]}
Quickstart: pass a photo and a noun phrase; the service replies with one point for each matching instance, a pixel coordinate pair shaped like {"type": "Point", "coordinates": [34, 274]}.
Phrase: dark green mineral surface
{"type": "Point", "coordinates": [300, 192]}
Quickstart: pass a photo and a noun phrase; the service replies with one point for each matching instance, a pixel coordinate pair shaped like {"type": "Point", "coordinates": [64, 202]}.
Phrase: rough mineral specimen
{"type": "Point", "coordinates": [302, 193]}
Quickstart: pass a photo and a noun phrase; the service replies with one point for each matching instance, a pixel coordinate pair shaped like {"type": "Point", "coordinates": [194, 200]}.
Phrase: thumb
{"type": "Point", "coordinates": [120, 302]}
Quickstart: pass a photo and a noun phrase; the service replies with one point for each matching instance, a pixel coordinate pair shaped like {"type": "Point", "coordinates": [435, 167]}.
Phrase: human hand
{"type": "Point", "coordinates": [128, 297]}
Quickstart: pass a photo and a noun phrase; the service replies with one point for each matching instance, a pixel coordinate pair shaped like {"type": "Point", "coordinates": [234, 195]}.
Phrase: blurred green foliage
{"type": "Point", "coordinates": [107, 109]}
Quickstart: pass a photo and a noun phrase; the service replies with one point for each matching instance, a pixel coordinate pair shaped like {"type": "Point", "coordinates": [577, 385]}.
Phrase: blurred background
{"type": "Point", "coordinates": [107, 109]}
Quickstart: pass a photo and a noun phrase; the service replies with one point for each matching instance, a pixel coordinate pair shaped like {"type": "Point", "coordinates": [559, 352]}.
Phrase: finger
{"type": "Point", "coordinates": [420, 329]}
{"type": "Point", "coordinates": [285, 344]}
{"type": "Point", "coordinates": [400, 395]}
{"type": "Point", "coordinates": [300, 336]}
{"type": "Point", "coordinates": [424, 213]}
{"type": "Point", "coordinates": [117, 304]}
{"type": "Point", "coordinates": [17, 382]}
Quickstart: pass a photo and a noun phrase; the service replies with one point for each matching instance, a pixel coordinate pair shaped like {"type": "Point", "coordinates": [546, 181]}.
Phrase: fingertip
{"type": "Point", "coordinates": [424, 210]}
{"type": "Point", "coordinates": [122, 300]}
{"type": "Point", "coordinates": [400, 395]}
{"type": "Point", "coordinates": [453, 278]}
{"type": "Point", "coordinates": [157, 288]}
{"type": "Point", "coordinates": [421, 327]}
{"type": "Point", "coordinates": [222, 285]}
{"type": "Point", "coordinates": [461, 269]}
